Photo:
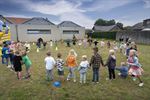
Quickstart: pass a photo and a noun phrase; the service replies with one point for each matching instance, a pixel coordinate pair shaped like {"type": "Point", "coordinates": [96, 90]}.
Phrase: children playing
{"type": "Point", "coordinates": [83, 69]}
{"type": "Point", "coordinates": [71, 64]}
{"type": "Point", "coordinates": [111, 63]}
{"type": "Point", "coordinates": [96, 62]}
{"type": "Point", "coordinates": [59, 65]}
{"type": "Point", "coordinates": [135, 69]}
{"type": "Point", "coordinates": [27, 63]}
{"type": "Point", "coordinates": [50, 63]}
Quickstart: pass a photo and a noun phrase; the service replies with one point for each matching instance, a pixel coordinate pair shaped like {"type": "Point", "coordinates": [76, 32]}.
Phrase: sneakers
{"type": "Point", "coordinates": [141, 84]}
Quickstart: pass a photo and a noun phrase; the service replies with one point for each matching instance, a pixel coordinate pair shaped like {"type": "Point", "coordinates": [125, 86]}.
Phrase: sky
{"type": "Point", "coordinates": [82, 12]}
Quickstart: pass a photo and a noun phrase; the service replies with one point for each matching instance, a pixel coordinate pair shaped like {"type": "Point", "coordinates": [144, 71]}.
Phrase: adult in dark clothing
{"type": "Point", "coordinates": [96, 62]}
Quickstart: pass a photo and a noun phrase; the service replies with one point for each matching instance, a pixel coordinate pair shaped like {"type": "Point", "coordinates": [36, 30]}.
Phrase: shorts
{"type": "Point", "coordinates": [60, 73]}
{"type": "Point", "coordinates": [18, 68]}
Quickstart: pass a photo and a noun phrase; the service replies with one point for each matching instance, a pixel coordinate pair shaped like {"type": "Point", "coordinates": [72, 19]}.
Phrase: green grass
{"type": "Point", "coordinates": [37, 88]}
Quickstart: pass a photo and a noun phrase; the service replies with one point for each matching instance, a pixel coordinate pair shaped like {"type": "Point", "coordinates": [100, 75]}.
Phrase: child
{"type": "Point", "coordinates": [27, 46]}
{"type": "Point", "coordinates": [83, 69]}
{"type": "Point", "coordinates": [27, 63]}
{"type": "Point", "coordinates": [108, 45]}
{"type": "Point", "coordinates": [95, 43]}
{"type": "Point", "coordinates": [5, 54]}
{"type": "Point", "coordinates": [127, 50]}
{"type": "Point", "coordinates": [50, 63]}
{"type": "Point", "coordinates": [44, 45]}
{"type": "Point", "coordinates": [102, 43]}
{"type": "Point", "coordinates": [72, 64]}
{"type": "Point", "coordinates": [134, 66]}
{"type": "Point", "coordinates": [96, 62]}
{"type": "Point", "coordinates": [111, 63]}
{"type": "Point", "coordinates": [0, 50]}
{"type": "Point", "coordinates": [11, 57]}
{"type": "Point", "coordinates": [123, 70]}
{"type": "Point", "coordinates": [51, 43]}
{"type": "Point", "coordinates": [17, 61]}
{"type": "Point", "coordinates": [59, 65]}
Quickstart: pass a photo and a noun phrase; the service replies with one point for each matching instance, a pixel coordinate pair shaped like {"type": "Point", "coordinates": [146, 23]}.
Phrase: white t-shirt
{"type": "Point", "coordinates": [50, 62]}
{"type": "Point", "coordinates": [84, 64]}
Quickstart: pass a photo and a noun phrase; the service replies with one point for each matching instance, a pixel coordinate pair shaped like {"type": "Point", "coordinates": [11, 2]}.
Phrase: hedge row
{"type": "Point", "coordinates": [105, 35]}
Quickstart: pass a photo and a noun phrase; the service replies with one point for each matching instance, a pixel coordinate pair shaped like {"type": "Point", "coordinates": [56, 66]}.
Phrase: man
{"type": "Point", "coordinates": [96, 62]}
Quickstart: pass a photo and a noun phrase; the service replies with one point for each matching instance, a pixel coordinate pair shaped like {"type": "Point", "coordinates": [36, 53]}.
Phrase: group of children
{"type": "Point", "coordinates": [131, 67]}
{"type": "Point", "coordinates": [14, 55]}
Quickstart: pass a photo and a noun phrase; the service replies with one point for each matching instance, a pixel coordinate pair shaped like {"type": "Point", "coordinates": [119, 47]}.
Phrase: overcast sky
{"type": "Point", "coordinates": [82, 12]}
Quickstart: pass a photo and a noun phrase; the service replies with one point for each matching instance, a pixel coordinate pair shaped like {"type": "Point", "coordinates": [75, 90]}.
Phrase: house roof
{"type": "Point", "coordinates": [38, 21]}
{"type": "Point", "coordinates": [138, 26]}
{"type": "Point", "coordinates": [16, 20]}
{"type": "Point", "coordinates": [68, 24]}
{"type": "Point", "coordinates": [104, 28]}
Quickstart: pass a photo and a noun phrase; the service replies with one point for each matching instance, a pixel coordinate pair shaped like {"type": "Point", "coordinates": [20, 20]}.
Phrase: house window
{"type": "Point", "coordinates": [70, 32]}
{"type": "Point", "coordinates": [38, 31]}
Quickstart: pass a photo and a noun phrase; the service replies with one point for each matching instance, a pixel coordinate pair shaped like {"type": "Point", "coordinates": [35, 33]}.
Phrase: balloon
{"type": "Point", "coordinates": [57, 84]}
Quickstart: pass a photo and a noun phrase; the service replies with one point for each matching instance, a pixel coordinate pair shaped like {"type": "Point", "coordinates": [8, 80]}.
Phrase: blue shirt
{"type": "Point", "coordinates": [5, 52]}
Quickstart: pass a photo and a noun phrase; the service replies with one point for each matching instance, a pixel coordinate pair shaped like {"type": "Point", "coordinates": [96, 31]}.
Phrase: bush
{"type": "Point", "coordinates": [105, 35]}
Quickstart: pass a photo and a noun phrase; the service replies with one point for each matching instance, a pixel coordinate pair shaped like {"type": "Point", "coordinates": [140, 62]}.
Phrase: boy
{"type": "Point", "coordinates": [96, 62]}
{"type": "Point", "coordinates": [50, 63]}
{"type": "Point", "coordinates": [59, 65]}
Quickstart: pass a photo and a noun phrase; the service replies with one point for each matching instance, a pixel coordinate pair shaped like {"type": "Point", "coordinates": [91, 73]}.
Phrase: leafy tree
{"type": "Point", "coordinates": [120, 25]}
{"type": "Point", "coordinates": [102, 22]}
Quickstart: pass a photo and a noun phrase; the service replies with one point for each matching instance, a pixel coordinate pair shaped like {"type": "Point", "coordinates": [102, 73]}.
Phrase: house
{"type": "Point", "coordinates": [139, 33]}
{"type": "Point", "coordinates": [142, 26]}
{"type": "Point", "coordinates": [30, 29]}
{"type": "Point", "coordinates": [69, 28]}
{"type": "Point", "coordinates": [106, 28]}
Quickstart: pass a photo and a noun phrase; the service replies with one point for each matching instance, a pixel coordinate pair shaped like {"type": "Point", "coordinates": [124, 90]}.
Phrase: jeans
{"type": "Point", "coordinates": [82, 77]}
{"type": "Point", "coordinates": [111, 73]}
{"type": "Point", "coordinates": [49, 74]}
{"type": "Point", "coordinates": [71, 73]}
{"type": "Point", "coordinates": [95, 74]}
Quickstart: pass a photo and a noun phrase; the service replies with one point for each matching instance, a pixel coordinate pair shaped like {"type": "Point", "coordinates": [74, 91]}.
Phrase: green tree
{"type": "Point", "coordinates": [120, 25]}
{"type": "Point", "coordinates": [102, 22]}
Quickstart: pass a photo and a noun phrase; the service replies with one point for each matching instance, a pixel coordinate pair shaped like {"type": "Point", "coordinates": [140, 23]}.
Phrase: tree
{"type": "Point", "coordinates": [120, 25]}
{"type": "Point", "coordinates": [102, 22]}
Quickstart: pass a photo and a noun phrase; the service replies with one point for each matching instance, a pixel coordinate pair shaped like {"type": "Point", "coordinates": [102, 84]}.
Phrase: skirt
{"type": "Point", "coordinates": [136, 71]}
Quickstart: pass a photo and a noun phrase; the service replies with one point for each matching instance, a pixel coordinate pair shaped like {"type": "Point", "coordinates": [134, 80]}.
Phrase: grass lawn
{"type": "Point", "coordinates": [37, 88]}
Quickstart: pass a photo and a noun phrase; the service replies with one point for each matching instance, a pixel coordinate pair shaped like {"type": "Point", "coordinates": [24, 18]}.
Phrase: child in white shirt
{"type": "Point", "coordinates": [50, 63]}
{"type": "Point", "coordinates": [83, 69]}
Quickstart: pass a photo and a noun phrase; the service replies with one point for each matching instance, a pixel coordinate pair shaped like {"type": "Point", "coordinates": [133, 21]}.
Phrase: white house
{"type": "Point", "coordinates": [30, 29]}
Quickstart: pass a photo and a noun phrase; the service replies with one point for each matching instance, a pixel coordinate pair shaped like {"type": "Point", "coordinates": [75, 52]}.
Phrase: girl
{"type": "Point", "coordinates": [72, 64]}
{"type": "Point", "coordinates": [111, 63]}
{"type": "Point", "coordinates": [27, 63]}
{"type": "Point", "coordinates": [17, 61]}
{"type": "Point", "coordinates": [134, 66]}
{"type": "Point", "coordinates": [83, 69]}
{"type": "Point", "coordinates": [59, 65]}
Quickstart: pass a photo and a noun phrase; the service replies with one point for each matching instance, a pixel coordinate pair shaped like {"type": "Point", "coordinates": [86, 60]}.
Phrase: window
{"type": "Point", "coordinates": [70, 32]}
{"type": "Point", "coordinates": [38, 31]}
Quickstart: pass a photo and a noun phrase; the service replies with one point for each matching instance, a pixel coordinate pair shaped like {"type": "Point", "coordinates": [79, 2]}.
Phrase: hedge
{"type": "Point", "coordinates": [105, 35]}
